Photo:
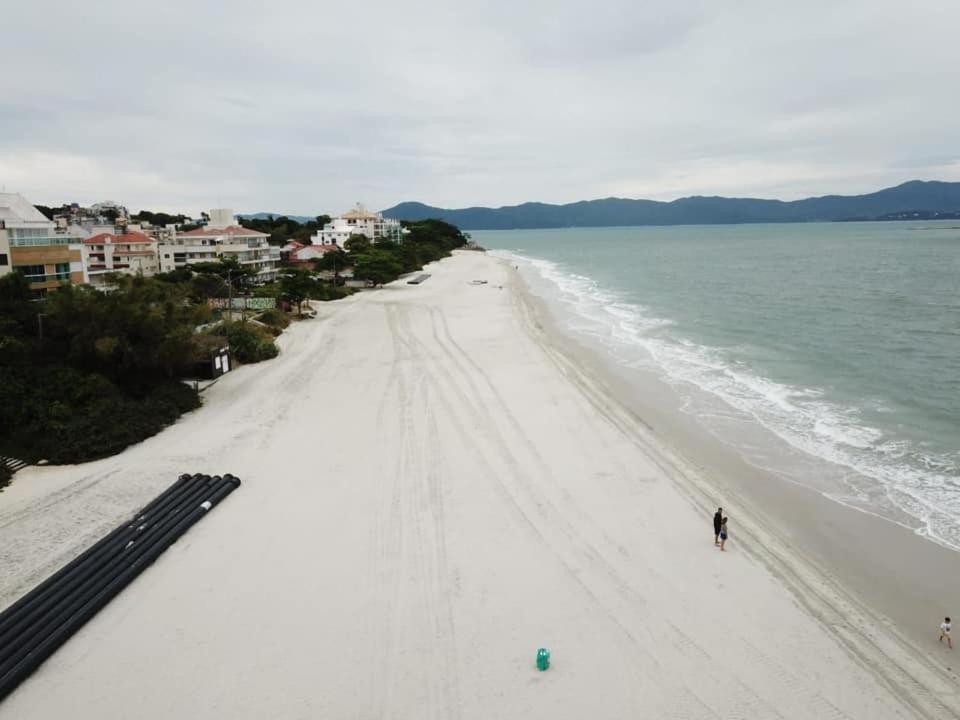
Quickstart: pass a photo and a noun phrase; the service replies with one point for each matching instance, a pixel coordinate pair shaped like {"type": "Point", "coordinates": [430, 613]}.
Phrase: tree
{"type": "Point", "coordinates": [335, 260]}
{"type": "Point", "coordinates": [207, 285]}
{"type": "Point", "coordinates": [159, 219]}
{"type": "Point", "coordinates": [378, 266]}
{"type": "Point", "coordinates": [357, 243]}
{"type": "Point", "coordinates": [228, 268]}
{"type": "Point", "coordinates": [296, 285]}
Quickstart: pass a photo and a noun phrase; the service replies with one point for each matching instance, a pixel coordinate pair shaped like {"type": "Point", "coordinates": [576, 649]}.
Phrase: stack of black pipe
{"type": "Point", "coordinates": [38, 623]}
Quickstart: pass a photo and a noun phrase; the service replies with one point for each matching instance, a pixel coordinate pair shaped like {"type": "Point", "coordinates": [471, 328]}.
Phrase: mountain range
{"type": "Point", "coordinates": [917, 198]}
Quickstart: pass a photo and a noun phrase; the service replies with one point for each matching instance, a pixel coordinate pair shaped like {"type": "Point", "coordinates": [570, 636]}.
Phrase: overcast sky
{"type": "Point", "coordinates": [307, 107]}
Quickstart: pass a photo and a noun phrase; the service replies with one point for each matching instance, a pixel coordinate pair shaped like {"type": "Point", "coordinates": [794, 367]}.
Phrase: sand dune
{"type": "Point", "coordinates": [432, 491]}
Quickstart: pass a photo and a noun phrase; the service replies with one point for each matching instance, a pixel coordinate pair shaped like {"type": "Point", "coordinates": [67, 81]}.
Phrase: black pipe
{"type": "Point", "coordinates": [99, 545]}
{"type": "Point", "coordinates": [14, 634]}
{"type": "Point", "coordinates": [26, 635]}
{"type": "Point", "coordinates": [112, 543]}
{"type": "Point", "coordinates": [80, 615]}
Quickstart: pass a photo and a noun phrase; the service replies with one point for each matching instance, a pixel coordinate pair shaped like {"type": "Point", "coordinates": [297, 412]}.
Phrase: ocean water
{"type": "Point", "coordinates": [827, 353]}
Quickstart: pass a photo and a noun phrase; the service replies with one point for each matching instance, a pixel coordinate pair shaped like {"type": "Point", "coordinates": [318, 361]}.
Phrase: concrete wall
{"type": "Point", "coordinates": [6, 263]}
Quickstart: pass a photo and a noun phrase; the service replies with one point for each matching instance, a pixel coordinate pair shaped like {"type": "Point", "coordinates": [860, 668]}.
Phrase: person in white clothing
{"type": "Point", "coordinates": [945, 632]}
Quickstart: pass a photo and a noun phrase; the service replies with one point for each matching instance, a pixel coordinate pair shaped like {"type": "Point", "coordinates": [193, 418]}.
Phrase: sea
{"type": "Point", "coordinates": [825, 353]}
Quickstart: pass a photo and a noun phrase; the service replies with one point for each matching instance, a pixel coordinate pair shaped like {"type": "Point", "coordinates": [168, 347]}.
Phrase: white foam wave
{"type": "Point", "coordinates": [897, 472]}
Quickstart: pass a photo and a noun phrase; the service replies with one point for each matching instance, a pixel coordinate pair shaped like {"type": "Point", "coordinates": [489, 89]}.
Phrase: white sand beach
{"type": "Point", "coordinates": [432, 489]}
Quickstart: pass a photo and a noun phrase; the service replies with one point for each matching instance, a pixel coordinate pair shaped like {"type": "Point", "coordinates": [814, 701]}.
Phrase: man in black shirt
{"type": "Point", "coordinates": [717, 521]}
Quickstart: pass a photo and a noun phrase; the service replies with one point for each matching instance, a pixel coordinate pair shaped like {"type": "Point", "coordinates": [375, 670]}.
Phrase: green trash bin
{"type": "Point", "coordinates": [543, 659]}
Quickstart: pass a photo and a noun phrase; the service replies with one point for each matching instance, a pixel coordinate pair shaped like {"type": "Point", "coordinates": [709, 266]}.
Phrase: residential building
{"type": "Point", "coordinates": [132, 253]}
{"type": "Point", "coordinates": [358, 221]}
{"type": "Point", "coordinates": [222, 237]}
{"type": "Point", "coordinates": [47, 253]}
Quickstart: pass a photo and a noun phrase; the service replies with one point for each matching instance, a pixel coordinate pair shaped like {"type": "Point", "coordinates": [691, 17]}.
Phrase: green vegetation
{"type": "Point", "coordinates": [283, 229]}
{"type": "Point", "coordinates": [425, 241]}
{"type": "Point", "coordinates": [296, 285]}
{"type": "Point", "coordinates": [159, 219]}
{"type": "Point", "coordinates": [87, 373]}
{"type": "Point", "coordinates": [249, 343]}
{"type": "Point", "coordinates": [379, 265]}
{"type": "Point", "coordinates": [334, 262]}
{"type": "Point", "coordinates": [275, 319]}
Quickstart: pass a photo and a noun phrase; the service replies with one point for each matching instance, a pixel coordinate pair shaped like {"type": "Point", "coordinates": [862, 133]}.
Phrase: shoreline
{"type": "Point", "coordinates": [435, 486]}
{"type": "Point", "coordinates": [901, 580]}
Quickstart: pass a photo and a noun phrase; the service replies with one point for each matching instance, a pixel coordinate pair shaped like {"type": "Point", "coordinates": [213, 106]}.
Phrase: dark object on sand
{"type": "Point", "coordinates": [418, 279]}
{"type": "Point", "coordinates": [38, 623]}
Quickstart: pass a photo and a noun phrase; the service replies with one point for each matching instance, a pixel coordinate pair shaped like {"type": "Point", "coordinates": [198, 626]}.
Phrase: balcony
{"type": "Point", "coordinates": [56, 277]}
{"type": "Point", "coordinates": [43, 241]}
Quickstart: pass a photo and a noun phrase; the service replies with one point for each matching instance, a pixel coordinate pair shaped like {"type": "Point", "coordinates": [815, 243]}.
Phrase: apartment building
{"type": "Point", "coordinates": [358, 221]}
{"type": "Point", "coordinates": [47, 253]}
{"type": "Point", "coordinates": [131, 253]}
{"type": "Point", "coordinates": [222, 237]}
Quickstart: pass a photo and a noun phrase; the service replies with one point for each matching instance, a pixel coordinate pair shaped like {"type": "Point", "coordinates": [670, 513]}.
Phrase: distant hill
{"type": "Point", "coordinates": [910, 197]}
{"type": "Point", "coordinates": [266, 215]}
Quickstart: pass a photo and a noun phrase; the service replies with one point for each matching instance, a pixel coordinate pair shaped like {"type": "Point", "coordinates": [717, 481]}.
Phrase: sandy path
{"type": "Point", "coordinates": [430, 493]}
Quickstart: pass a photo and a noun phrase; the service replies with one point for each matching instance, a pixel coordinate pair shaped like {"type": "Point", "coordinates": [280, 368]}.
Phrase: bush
{"type": "Point", "coordinates": [275, 319]}
{"type": "Point", "coordinates": [66, 415]}
{"type": "Point", "coordinates": [249, 343]}
{"type": "Point", "coordinates": [325, 292]}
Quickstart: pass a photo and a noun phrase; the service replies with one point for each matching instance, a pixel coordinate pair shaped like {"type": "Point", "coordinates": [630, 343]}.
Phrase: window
{"type": "Point", "coordinates": [32, 271]}
{"type": "Point", "coordinates": [63, 271]}
{"type": "Point", "coordinates": [3, 259]}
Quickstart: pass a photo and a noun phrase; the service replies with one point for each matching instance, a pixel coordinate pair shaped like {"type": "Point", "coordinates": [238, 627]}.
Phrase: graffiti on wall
{"type": "Point", "coordinates": [243, 303]}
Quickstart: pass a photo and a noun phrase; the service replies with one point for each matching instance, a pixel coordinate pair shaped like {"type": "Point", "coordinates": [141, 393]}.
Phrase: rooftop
{"type": "Point", "coordinates": [360, 213]}
{"type": "Point", "coordinates": [108, 239]}
{"type": "Point", "coordinates": [15, 208]}
{"type": "Point", "coordinates": [232, 230]}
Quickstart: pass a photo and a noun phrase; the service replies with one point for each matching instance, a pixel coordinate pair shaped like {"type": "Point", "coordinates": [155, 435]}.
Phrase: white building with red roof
{"type": "Point", "coordinates": [222, 237]}
{"type": "Point", "coordinates": [132, 253]}
{"type": "Point", "coordinates": [298, 253]}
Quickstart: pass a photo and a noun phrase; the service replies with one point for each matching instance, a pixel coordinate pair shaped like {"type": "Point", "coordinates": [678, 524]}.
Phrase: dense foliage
{"type": "Point", "coordinates": [275, 319]}
{"type": "Point", "coordinates": [424, 241]}
{"type": "Point", "coordinates": [87, 373]}
{"type": "Point", "coordinates": [283, 229]}
{"type": "Point", "coordinates": [249, 343]}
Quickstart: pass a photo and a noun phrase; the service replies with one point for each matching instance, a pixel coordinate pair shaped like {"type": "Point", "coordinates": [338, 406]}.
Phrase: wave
{"type": "Point", "coordinates": [874, 471]}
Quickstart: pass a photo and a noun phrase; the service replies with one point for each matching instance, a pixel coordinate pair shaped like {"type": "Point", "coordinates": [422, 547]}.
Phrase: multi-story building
{"type": "Point", "coordinates": [47, 253]}
{"type": "Point", "coordinates": [132, 253]}
{"type": "Point", "coordinates": [222, 237]}
{"type": "Point", "coordinates": [358, 221]}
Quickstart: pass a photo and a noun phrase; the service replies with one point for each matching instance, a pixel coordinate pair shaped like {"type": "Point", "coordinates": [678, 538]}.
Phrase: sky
{"type": "Point", "coordinates": [308, 107]}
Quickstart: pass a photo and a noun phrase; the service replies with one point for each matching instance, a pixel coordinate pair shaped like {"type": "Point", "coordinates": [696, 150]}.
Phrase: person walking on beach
{"type": "Point", "coordinates": [717, 521]}
{"type": "Point", "coordinates": [723, 533]}
{"type": "Point", "coordinates": [945, 632]}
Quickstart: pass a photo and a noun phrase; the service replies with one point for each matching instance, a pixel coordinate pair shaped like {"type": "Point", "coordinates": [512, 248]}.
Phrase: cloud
{"type": "Point", "coordinates": [303, 107]}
